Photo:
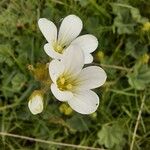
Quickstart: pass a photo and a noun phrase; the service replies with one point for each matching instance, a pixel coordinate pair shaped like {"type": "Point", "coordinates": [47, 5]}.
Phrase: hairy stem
{"type": "Point", "coordinates": [137, 123]}
{"type": "Point", "coordinates": [49, 142]}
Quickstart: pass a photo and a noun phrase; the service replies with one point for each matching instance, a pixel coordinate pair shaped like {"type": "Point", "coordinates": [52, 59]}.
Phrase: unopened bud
{"type": "Point", "coordinates": [35, 103]}
{"type": "Point", "coordinates": [93, 115]}
{"type": "Point", "coordinates": [40, 73]}
{"type": "Point", "coordinates": [145, 58]}
{"type": "Point", "coordinates": [65, 109]}
{"type": "Point", "coordinates": [100, 55]}
{"type": "Point", "coordinates": [146, 26]}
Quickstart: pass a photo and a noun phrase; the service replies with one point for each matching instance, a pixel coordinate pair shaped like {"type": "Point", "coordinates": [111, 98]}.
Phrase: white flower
{"type": "Point", "coordinates": [35, 103]}
{"type": "Point", "coordinates": [73, 83]}
{"type": "Point", "coordinates": [58, 41]}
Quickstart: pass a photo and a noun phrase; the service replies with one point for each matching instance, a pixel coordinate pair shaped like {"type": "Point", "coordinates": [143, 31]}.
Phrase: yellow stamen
{"type": "Point", "coordinates": [62, 80]}
{"type": "Point", "coordinates": [58, 48]}
{"type": "Point", "coordinates": [69, 86]}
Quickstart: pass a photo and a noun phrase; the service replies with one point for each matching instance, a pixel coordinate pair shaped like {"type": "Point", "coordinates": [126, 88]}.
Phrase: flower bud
{"type": "Point", "coordinates": [35, 103]}
{"type": "Point", "coordinates": [40, 73]}
{"type": "Point", "coordinates": [93, 115]}
{"type": "Point", "coordinates": [146, 26]}
{"type": "Point", "coordinates": [100, 56]}
{"type": "Point", "coordinates": [145, 58]}
{"type": "Point", "coordinates": [65, 109]}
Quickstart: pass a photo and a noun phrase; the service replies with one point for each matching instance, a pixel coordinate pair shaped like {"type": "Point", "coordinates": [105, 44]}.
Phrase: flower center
{"type": "Point", "coordinates": [65, 83]}
{"type": "Point", "coordinates": [58, 48]}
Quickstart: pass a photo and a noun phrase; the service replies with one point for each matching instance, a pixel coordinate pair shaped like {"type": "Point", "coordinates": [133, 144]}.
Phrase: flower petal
{"type": "Point", "coordinates": [51, 52]}
{"type": "Point", "coordinates": [61, 95]}
{"type": "Point", "coordinates": [91, 77]}
{"type": "Point", "coordinates": [88, 58]}
{"type": "Point", "coordinates": [70, 28]}
{"type": "Point", "coordinates": [85, 102]}
{"type": "Point", "coordinates": [56, 68]}
{"type": "Point", "coordinates": [73, 59]}
{"type": "Point", "coordinates": [88, 43]}
{"type": "Point", "coordinates": [48, 29]}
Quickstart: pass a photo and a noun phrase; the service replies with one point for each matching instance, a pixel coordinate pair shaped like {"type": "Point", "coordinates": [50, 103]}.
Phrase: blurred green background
{"type": "Point", "coordinates": [123, 30]}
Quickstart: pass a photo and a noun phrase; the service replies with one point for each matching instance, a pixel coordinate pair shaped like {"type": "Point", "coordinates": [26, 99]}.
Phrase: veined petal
{"type": "Point", "coordinates": [85, 102]}
{"type": "Point", "coordinates": [88, 43]}
{"type": "Point", "coordinates": [91, 77]}
{"type": "Point", "coordinates": [88, 58]}
{"type": "Point", "coordinates": [48, 48]}
{"type": "Point", "coordinates": [70, 28]}
{"type": "Point", "coordinates": [48, 29]}
{"type": "Point", "coordinates": [73, 60]}
{"type": "Point", "coordinates": [56, 68]}
{"type": "Point", "coordinates": [61, 95]}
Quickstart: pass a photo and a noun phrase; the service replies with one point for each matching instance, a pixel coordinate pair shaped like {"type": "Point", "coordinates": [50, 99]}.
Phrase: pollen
{"type": "Point", "coordinates": [69, 86]}
{"type": "Point", "coordinates": [62, 80]}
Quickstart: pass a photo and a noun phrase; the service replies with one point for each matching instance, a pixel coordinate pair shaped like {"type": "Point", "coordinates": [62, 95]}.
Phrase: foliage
{"type": "Point", "coordinates": [123, 30]}
{"type": "Point", "coordinates": [112, 136]}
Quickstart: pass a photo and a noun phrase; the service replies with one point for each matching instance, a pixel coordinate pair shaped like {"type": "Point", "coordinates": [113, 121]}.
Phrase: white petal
{"type": "Point", "coordinates": [87, 42]}
{"type": "Point", "coordinates": [85, 102]}
{"type": "Point", "coordinates": [61, 95]}
{"type": "Point", "coordinates": [73, 59]}
{"type": "Point", "coordinates": [88, 58]}
{"type": "Point", "coordinates": [56, 68]}
{"type": "Point", "coordinates": [91, 77]}
{"type": "Point", "coordinates": [51, 52]}
{"type": "Point", "coordinates": [70, 28]}
{"type": "Point", "coordinates": [48, 29]}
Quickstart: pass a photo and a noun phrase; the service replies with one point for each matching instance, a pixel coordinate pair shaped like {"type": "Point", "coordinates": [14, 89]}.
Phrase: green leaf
{"type": "Point", "coordinates": [123, 21]}
{"type": "Point", "coordinates": [140, 77]}
{"type": "Point", "coordinates": [83, 3]}
{"type": "Point", "coordinates": [134, 48]}
{"type": "Point", "coordinates": [127, 18]}
{"type": "Point", "coordinates": [137, 16]}
{"type": "Point", "coordinates": [79, 123]}
{"type": "Point", "coordinates": [18, 81]}
{"type": "Point", "coordinates": [8, 22]}
{"type": "Point", "coordinates": [5, 54]}
{"type": "Point", "coordinates": [110, 136]}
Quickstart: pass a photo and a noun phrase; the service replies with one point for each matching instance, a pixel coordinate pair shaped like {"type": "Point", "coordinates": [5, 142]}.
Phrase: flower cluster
{"type": "Point", "coordinates": [71, 81]}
